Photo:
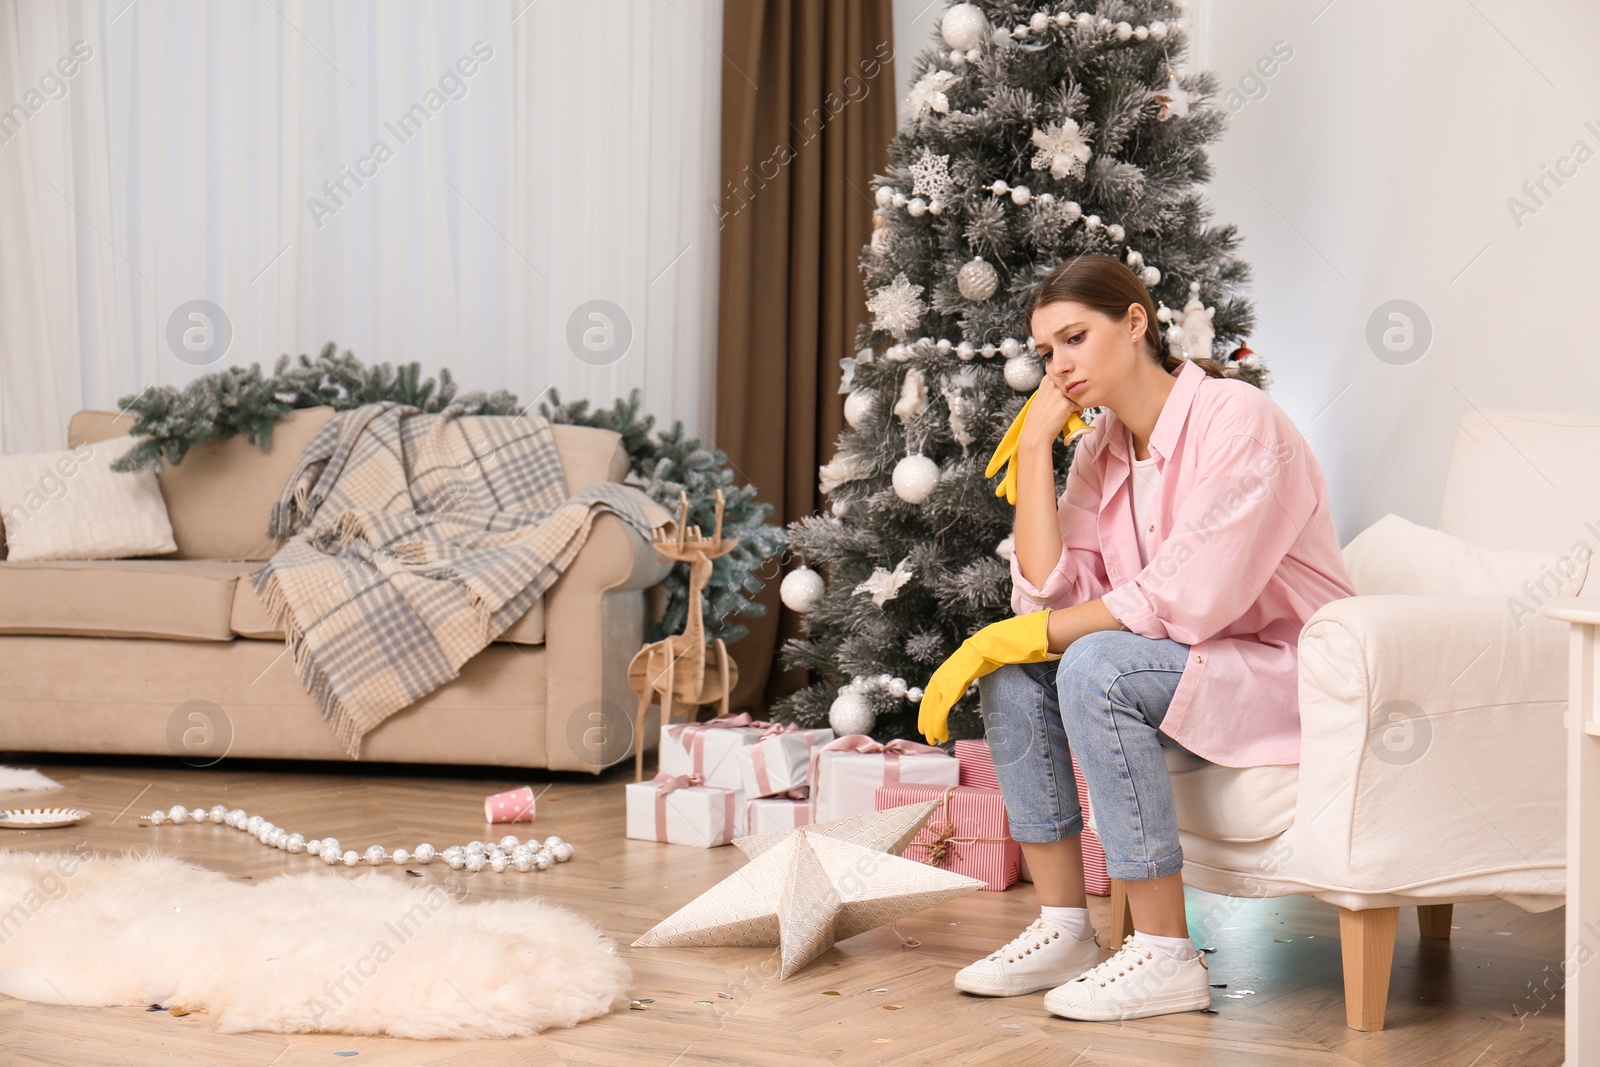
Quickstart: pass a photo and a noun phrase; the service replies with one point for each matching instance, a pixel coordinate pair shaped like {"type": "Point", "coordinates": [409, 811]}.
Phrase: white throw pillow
{"type": "Point", "coordinates": [1394, 555]}
{"type": "Point", "coordinates": [72, 505]}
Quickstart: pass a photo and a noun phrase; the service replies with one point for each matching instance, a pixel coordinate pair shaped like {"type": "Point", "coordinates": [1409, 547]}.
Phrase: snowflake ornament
{"type": "Point", "coordinates": [1174, 99]}
{"type": "Point", "coordinates": [897, 307]}
{"type": "Point", "coordinates": [931, 176]}
{"type": "Point", "coordinates": [885, 586]}
{"type": "Point", "coordinates": [929, 94]}
{"type": "Point", "coordinates": [1062, 148]}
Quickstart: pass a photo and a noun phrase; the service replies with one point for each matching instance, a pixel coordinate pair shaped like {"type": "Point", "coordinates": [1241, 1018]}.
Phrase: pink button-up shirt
{"type": "Point", "coordinates": [1244, 552]}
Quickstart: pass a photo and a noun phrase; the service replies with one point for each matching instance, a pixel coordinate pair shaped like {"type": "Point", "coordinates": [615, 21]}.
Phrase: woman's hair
{"type": "Point", "coordinates": [1107, 285]}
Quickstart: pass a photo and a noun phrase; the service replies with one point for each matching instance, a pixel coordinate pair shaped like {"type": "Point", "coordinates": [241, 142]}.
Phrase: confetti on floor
{"type": "Point", "coordinates": [1283, 940]}
{"type": "Point", "coordinates": [830, 993]}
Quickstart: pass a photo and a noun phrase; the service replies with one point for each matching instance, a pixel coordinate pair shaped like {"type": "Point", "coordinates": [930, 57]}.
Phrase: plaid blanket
{"type": "Point", "coordinates": [410, 541]}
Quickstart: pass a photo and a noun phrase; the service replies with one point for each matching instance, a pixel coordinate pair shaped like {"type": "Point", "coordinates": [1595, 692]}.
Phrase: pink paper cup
{"type": "Point", "coordinates": [514, 806]}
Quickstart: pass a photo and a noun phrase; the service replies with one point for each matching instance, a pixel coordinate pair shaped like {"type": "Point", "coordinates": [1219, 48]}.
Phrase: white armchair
{"type": "Point", "coordinates": [1433, 748]}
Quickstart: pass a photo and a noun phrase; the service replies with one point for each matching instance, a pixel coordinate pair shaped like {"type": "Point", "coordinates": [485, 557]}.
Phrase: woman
{"type": "Point", "coordinates": [1172, 578]}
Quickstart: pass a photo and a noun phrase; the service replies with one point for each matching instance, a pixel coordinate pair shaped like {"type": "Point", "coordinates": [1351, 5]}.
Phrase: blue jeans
{"type": "Point", "coordinates": [1104, 700]}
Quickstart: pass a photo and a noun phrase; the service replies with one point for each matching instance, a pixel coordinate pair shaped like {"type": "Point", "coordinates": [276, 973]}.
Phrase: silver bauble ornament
{"type": "Point", "coordinates": [963, 26]}
{"type": "Point", "coordinates": [977, 279]}
{"type": "Point", "coordinates": [915, 478]}
{"type": "Point", "coordinates": [801, 589]}
{"type": "Point", "coordinates": [851, 713]}
{"type": "Point", "coordinates": [1024, 373]}
{"type": "Point", "coordinates": [858, 405]}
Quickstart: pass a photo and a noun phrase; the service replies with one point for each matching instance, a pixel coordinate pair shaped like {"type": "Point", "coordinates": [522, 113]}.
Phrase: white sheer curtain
{"type": "Point", "coordinates": [441, 182]}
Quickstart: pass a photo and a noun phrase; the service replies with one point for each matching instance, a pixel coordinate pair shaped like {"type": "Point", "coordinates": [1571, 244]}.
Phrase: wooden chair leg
{"type": "Point", "coordinates": [1366, 941]}
{"type": "Point", "coordinates": [1434, 920]}
{"type": "Point", "coordinates": [1121, 915]}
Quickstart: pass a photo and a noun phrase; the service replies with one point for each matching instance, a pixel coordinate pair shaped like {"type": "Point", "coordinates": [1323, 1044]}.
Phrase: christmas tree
{"type": "Point", "coordinates": [1030, 137]}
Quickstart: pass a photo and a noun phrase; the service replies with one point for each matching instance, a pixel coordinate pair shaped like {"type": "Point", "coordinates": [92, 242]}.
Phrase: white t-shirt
{"type": "Point", "coordinates": [1146, 479]}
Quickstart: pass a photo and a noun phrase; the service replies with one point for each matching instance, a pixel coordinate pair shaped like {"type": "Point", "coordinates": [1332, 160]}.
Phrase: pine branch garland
{"type": "Point", "coordinates": [242, 400]}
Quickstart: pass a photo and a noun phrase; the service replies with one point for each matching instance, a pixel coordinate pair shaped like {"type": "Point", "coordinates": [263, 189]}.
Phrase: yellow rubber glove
{"type": "Point", "coordinates": [1019, 639]}
{"type": "Point", "coordinates": [1006, 453]}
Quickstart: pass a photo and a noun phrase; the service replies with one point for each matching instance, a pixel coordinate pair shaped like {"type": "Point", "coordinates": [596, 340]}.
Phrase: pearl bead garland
{"type": "Point", "coordinates": [509, 852]}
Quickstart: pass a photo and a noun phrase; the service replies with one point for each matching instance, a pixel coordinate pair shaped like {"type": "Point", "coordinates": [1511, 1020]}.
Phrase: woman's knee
{"type": "Point", "coordinates": [1093, 662]}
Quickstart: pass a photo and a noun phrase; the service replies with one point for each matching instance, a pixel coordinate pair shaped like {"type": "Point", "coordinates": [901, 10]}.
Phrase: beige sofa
{"type": "Point", "coordinates": [176, 656]}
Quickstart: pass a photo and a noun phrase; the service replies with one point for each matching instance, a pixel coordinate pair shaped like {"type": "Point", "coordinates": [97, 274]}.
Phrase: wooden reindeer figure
{"type": "Point", "coordinates": [676, 672]}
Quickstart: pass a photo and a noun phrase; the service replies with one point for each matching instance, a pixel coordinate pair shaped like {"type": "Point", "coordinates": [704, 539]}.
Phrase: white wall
{"type": "Point", "coordinates": [1376, 165]}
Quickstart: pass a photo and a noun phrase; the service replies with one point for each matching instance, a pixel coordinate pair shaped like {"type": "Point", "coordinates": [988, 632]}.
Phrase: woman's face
{"type": "Point", "coordinates": [1082, 345]}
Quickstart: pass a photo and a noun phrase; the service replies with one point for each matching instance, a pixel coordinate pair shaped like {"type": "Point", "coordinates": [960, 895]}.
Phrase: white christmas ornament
{"type": "Point", "coordinates": [1062, 148]}
{"type": "Point", "coordinates": [851, 713]}
{"type": "Point", "coordinates": [977, 279]}
{"type": "Point", "coordinates": [1024, 374]}
{"type": "Point", "coordinates": [1174, 99]}
{"type": "Point", "coordinates": [1005, 547]}
{"type": "Point", "coordinates": [896, 307]}
{"type": "Point", "coordinates": [1197, 330]}
{"type": "Point", "coordinates": [958, 397]}
{"type": "Point", "coordinates": [928, 95]}
{"type": "Point", "coordinates": [915, 478]}
{"type": "Point", "coordinates": [885, 585]}
{"type": "Point", "coordinates": [858, 406]}
{"type": "Point", "coordinates": [931, 176]}
{"type": "Point", "coordinates": [843, 467]}
{"type": "Point", "coordinates": [963, 26]}
{"type": "Point", "coordinates": [1150, 276]}
{"type": "Point", "coordinates": [913, 396]}
{"type": "Point", "coordinates": [801, 589]}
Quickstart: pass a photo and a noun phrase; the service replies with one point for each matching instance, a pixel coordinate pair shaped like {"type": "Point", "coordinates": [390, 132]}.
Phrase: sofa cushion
{"type": "Point", "coordinates": [186, 600]}
{"type": "Point", "coordinates": [72, 505]}
{"type": "Point", "coordinates": [249, 619]}
{"type": "Point", "coordinates": [220, 496]}
{"type": "Point", "coordinates": [1234, 803]}
{"type": "Point", "coordinates": [1394, 556]}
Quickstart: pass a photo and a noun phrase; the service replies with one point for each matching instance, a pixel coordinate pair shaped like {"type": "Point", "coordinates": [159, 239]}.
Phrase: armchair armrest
{"type": "Point", "coordinates": [594, 626]}
{"type": "Point", "coordinates": [1432, 748]}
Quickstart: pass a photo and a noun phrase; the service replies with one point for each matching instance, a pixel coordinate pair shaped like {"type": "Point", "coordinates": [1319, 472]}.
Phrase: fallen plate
{"type": "Point", "coordinates": [40, 818]}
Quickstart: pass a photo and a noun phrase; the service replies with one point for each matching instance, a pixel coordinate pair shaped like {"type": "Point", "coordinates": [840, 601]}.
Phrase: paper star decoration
{"type": "Point", "coordinates": [896, 307]}
{"type": "Point", "coordinates": [1174, 99]}
{"type": "Point", "coordinates": [1062, 148]}
{"type": "Point", "coordinates": [805, 889]}
{"type": "Point", "coordinates": [928, 93]}
{"type": "Point", "coordinates": [884, 585]}
{"type": "Point", "coordinates": [931, 176]}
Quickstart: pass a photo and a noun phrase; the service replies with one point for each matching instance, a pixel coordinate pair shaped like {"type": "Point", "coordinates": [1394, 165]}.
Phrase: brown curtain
{"type": "Point", "coordinates": [808, 110]}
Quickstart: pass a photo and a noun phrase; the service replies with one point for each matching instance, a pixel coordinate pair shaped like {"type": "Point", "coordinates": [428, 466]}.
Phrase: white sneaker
{"type": "Point", "coordinates": [1140, 980]}
{"type": "Point", "coordinates": [1042, 956]}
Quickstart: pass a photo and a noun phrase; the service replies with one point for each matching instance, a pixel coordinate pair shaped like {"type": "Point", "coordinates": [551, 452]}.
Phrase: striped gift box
{"type": "Point", "coordinates": [977, 765]}
{"type": "Point", "coordinates": [977, 769]}
{"type": "Point", "coordinates": [968, 833]}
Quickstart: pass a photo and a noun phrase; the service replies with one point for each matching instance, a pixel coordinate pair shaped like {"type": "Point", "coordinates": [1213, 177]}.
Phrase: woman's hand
{"type": "Point", "coordinates": [1047, 415]}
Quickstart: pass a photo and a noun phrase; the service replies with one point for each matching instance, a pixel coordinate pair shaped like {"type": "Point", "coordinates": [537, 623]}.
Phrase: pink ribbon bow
{"type": "Point", "coordinates": [692, 735]}
{"type": "Point", "coordinates": [866, 745]}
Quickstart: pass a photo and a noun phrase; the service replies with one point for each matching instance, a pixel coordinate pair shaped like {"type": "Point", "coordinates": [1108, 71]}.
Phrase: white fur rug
{"type": "Point", "coordinates": [298, 953]}
{"type": "Point", "coordinates": [17, 779]}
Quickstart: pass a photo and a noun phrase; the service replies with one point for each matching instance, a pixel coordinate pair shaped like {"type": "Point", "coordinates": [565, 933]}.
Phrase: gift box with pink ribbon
{"type": "Point", "coordinates": [682, 810]}
{"type": "Point", "coordinates": [846, 773]}
{"type": "Point", "coordinates": [767, 815]}
{"type": "Point", "coordinates": [977, 769]}
{"type": "Point", "coordinates": [710, 749]}
{"type": "Point", "coordinates": [968, 832]}
{"type": "Point", "coordinates": [777, 764]}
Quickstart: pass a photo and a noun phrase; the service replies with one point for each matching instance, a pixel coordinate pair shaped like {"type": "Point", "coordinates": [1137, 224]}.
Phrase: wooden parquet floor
{"type": "Point", "coordinates": [1468, 1002]}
